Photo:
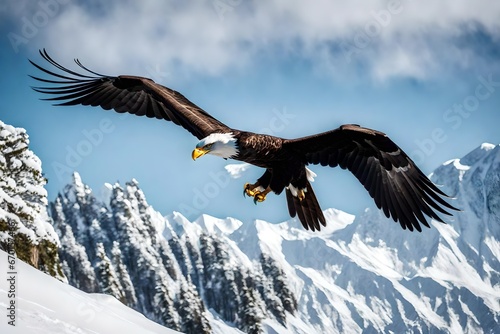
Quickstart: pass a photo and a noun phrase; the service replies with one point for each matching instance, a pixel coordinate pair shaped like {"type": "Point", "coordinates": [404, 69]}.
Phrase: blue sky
{"type": "Point", "coordinates": [426, 73]}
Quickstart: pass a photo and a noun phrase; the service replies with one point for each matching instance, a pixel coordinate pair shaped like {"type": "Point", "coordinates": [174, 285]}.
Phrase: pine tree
{"type": "Point", "coordinates": [180, 255]}
{"type": "Point", "coordinates": [278, 278]}
{"type": "Point", "coordinates": [191, 310]}
{"type": "Point", "coordinates": [24, 223]}
{"type": "Point", "coordinates": [123, 276]}
{"type": "Point", "coordinates": [84, 213]}
{"type": "Point", "coordinates": [150, 263]}
{"type": "Point", "coordinates": [107, 276]}
{"type": "Point", "coordinates": [250, 311]}
{"type": "Point", "coordinates": [220, 288]}
{"type": "Point", "coordinates": [188, 258]}
{"type": "Point", "coordinates": [197, 269]}
{"type": "Point", "coordinates": [164, 310]}
{"type": "Point", "coordinates": [76, 264]}
{"type": "Point", "coordinates": [273, 304]}
{"type": "Point", "coordinates": [96, 235]}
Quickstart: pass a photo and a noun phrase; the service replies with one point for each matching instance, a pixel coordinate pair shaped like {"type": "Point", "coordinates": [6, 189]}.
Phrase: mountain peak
{"type": "Point", "coordinates": [76, 189]}
{"type": "Point", "coordinates": [481, 152]}
{"type": "Point", "coordinates": [487, 146]}
{"type": "Point", "coordinates": [218, 226]}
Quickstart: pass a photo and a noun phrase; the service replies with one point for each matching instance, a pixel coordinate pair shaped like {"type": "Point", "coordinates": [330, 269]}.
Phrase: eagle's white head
{"type": "Point", "coordinates": [220, 144]}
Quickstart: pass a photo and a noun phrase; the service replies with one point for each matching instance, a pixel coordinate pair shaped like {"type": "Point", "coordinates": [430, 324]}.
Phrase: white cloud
{"type": "Point", "coordinates": [408, 38]}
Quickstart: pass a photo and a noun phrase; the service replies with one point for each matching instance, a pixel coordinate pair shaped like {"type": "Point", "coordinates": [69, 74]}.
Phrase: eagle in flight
{"type": "Point", "coordinates": [392, 179]}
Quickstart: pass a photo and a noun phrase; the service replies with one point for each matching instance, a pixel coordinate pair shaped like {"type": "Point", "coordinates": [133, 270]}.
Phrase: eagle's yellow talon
{"type": "Point", "coordinates": [250, 189]}
{"type": "Point", "coordinates": [259, 197]}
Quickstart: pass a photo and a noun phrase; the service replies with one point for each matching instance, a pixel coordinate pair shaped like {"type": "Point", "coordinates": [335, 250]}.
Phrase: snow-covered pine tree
{"type": "Point", "coordinates": [123, 276]}
{"type": "Point", "coordinates": [24, 223]}
{"type": "Point", "coordinates": [180, 254]}
{"type": "Point", "coordinates": [148, 219]}
{"type": "Point", "coordinates": [96, 235]}
{"type": "Point", "coordinates": [144, 215]}
{"type": "Point", "coordinates": [166, 256]}
{"type": "Point", "coordinates": [107, 276]}
{"type": "Point", "coordinates": [250, 313]}
{"type": "Point", "coordinates": [273, 304]}
{"type": "Point", "coordinates": [74, 259]}
{"type": "Point", "coordinates": [280, 286]}
{"type": "Point", "coordinates": [220, 288]}
{"type": "Point", "coordinates": [164, 310]}
{"type": "Point", "coordinates": [82, 210]}
{"type": "Point", "coordinates": [191, 310]}
{"type": "Point", "coordinates": [147, 256]}
{"type": "Point", "coordinates": [198, 270]}
{"type": "Point", "coordinates": [188, 258]}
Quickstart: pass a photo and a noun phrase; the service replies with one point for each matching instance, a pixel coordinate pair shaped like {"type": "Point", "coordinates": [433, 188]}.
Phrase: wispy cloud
{"type": "Point", "coordinates": [386, 39]}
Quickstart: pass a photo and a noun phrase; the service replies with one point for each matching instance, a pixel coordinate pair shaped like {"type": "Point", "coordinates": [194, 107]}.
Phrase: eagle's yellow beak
{"type": "Point", "coordinates": [198, 152]}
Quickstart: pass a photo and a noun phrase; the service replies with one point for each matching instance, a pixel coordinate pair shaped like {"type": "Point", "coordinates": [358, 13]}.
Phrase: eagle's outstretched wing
{"type": "Point", "coordinates": [393, 180]}
{"type": "Point", "coordinates": [135, 95]}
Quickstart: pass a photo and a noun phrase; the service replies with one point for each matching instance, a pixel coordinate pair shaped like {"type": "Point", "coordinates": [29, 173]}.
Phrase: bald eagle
{"type": "Point", "coordinates": [397, 185]}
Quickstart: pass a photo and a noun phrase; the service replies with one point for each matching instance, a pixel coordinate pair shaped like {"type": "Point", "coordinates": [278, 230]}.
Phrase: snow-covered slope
{"type": "Point", "coordinates": [359, 275]}
{"type": "Point", "coordinates": [45, 305]}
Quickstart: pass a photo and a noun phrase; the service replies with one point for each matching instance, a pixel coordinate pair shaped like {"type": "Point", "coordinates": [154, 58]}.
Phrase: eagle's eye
{"type": "Point", "coordinates": [209, 146]}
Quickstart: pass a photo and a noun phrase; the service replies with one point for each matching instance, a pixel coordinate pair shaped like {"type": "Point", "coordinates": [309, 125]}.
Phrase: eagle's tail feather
{"type": "Point", "coordinates": [308, 209]}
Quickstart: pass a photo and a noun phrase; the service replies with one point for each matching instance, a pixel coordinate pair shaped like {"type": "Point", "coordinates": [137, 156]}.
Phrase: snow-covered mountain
{"type": "Point", "coordinates": [362, 274]}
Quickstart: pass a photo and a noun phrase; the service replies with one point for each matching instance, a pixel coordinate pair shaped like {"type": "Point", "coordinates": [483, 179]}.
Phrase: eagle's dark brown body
{"type": "Point", "coordinates": [255, 149]}
{"type": "Point", "coordinates": [392, 179]}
